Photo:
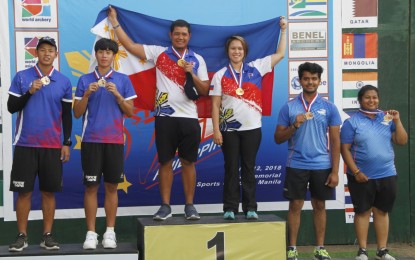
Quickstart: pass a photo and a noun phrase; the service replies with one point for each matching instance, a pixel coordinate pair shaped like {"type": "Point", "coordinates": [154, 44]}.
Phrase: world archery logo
{"type": "Point", "coordinates": [30, 58]}
{"type": "Point", "coordinates": [36, 10]}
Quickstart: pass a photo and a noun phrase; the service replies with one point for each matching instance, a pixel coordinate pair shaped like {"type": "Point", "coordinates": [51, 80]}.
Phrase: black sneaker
{"type": "Point", "coordinates": [163, 213]}
{"type": "Point", "coordinates": [362, 254]}
{"type": "Point", "coordinates": [19, 244]}
{"type": "Point", "coordinates": [190, 212]}
{"type": "Point", "coordinates": [48, 242]}
{"type": "Point", "coordinates": [383, 254]}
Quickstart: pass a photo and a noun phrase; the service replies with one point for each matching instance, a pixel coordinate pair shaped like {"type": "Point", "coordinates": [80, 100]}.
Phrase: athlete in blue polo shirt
{"type": "Point", "coordinates": [42, 97]}
{"type": "Point", "coordinates": [102, 98]}
{"type": "Point", "coordinates": [367, 148]}
{"type": "Point", "coordinates": [313, 157]}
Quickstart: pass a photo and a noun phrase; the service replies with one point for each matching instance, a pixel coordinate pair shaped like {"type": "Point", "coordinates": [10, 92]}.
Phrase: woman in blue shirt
{"type": "Point", "coordinates": [367, 149]}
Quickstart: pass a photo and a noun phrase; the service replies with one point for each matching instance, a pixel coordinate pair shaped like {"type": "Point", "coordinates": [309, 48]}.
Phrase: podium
{"type": "Point", "coordinates": [212, 237]}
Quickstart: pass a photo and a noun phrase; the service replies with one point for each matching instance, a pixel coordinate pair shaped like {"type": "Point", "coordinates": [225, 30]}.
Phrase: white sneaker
{"type": "Point", "coordinates": [109, 240]}
{"type": "Point", "coordinates": [91, 240]}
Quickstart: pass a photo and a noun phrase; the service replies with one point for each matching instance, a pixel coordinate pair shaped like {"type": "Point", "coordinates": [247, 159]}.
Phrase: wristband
{"type": "Point", "coordinates": [115, 27]}
{"type": "Point", "coordinates": [356, 172]}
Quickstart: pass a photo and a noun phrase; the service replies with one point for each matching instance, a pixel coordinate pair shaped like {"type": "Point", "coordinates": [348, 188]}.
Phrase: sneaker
{"type": "Point", "coordinates": [251, 215]}
{"type": "Point", "coordinates": [383, 254]}
{"type": "Point", "coordinates": [91, 240]}
{"type": "Point", "coordinates": [321, 254]}
{"type": "Point", "coordinates": [292, 253]}
{"type": "Point", "coordinates": [163, 213]}
{"type": "Point", "coordinates": [48, 242]}
{"type": "Point", "coordinates": [229, 215]}
{"type": "Point", "coordinates": [190, 212]}
{"type": "Point", "coordinates": [19, 244]}
{"type": "Point", "coordinates": [109, 240]}
{"type": "Point", "coordinates": [362, 254]}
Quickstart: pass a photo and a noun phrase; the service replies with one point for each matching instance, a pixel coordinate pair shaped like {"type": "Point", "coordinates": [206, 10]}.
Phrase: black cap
{"type": "Point", "coordinates": [47, 40]}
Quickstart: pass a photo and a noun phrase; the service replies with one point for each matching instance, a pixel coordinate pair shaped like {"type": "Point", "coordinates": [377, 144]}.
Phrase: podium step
{"type": "Point", "coordinates": [127, 251]}
{"type": "Point", "coordinates": [212, 237]}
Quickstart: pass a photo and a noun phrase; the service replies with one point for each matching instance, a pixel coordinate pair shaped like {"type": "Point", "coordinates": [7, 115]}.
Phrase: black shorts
{"type": "Point", "coordinates": [297, 181]}
{"type": "Point", "coordinates": [29, 162]}
{"type": "Point", "coordinates": [177, 134]}
{"type": "Point", "coordinates": [378, 193]}
{"type": "Point", "coordinates": [102, 159]}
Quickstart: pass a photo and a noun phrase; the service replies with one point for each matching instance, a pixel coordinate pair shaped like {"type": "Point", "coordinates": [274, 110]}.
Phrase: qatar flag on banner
{"type": "Point", "coordinates": [206, 40]}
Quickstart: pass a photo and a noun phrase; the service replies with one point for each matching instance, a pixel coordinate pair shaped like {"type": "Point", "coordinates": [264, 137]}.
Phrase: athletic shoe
{"type": "Point", "coordinates": [229, 215]}
{"type": "Point", "coordinates": [163, 213]}
{"type": "Point", "coordinates": [190, 212]}
{"type": "Point", "coordinates": [91, 240]}
{"type": "Point", "coordinates": [292, 253]}
{"type": "Point", "coordinates": [383, 254]}
{"type": "Point", "coordinates": [362, 254]}
{"type": "Point", "coordinates": [19, 244]}
{"type": "Point", "coordinates": [48, 242]}
{"type": "Point", "coordinates": [251, 215]}
{"type": "Point", "coordinates": [321, 254]}
{"type": "Point", "coordinates": [109, 240]}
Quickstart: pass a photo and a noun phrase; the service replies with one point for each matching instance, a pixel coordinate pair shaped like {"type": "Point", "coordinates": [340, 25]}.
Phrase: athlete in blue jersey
{"type": "Point", "coordinates": [102, 98]}
{"type": "Point", "coordinates": [313, 157]}
{"type": "Point", "coordinates": [42, 97]}
{"type": "Point", "coordinates": [367, 149]}
{"type": "Point", "coordinates": [236, 92]}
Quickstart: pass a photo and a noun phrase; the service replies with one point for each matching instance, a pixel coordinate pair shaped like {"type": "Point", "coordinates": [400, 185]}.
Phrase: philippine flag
{"type": "Point", "coordinates": [206, 40]}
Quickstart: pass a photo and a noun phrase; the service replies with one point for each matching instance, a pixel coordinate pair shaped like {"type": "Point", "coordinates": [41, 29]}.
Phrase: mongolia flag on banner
{"type": "Point", "coordinates": [206, 40]}
{"type": "Point", "coordinates": [360, 51]}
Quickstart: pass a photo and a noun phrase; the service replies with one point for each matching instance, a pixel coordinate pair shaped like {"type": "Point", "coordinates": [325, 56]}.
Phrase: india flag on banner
{"type": "Point", "coordinates": [360, 51]}
{"type": "Point", "coordinates": [352, 82]}
{"type": "Point", "coordinates": [206, 40]}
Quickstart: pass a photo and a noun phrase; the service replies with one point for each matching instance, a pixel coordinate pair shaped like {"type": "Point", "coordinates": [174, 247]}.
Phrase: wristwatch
{"type": "Point", "coordinates": [67, 142]}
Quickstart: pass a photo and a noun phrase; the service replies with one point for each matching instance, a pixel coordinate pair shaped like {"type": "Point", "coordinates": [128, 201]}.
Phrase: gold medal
{"type": "Point", "coordinates": [102, 82]}
{"type": "Point", "coordinates": [239, 91]}
{"type": "Point", "coordinates": [308, 115]}
{"type": "Point", "coordinates": [181, 62]}
{"type": "Point", "coordinates": [388, 117]}
{"type": "Point", "coordinates": [45, 80]}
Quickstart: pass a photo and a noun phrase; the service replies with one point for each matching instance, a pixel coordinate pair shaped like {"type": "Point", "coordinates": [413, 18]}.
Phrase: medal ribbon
{"type": "Point", "coordinates": [178, 54]}
{"type": "Point", "coordinates": [233, 72]}
{"type": "Point", "coordinates": [377, 111]}
{"type": "Point", "coordinates": [308, 108]}
{"type": "Point", "coordinates": [40, 74]}
{"type": "Point", "coordinates": [107, 75]}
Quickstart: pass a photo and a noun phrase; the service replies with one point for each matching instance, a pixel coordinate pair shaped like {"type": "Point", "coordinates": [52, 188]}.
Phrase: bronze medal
{"type": "Point", "coordinates": [181, 62]}
{"type": "Point", "coordinates": [239, 91]}
{"type": "Point", "coordinates": [308, 115]}
{"type": "Point", "coordinates": [388, 117]}
{"type": "Point", "coordinates": [45, 80]}
{"type": "Point", "coordinates": [102, 82]}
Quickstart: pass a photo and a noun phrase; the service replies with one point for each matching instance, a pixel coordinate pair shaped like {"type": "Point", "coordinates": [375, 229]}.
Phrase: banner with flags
{"type": "Point", "coordinates": [139, 192]}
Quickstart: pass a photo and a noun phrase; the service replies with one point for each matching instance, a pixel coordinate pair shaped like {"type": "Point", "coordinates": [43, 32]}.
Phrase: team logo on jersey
{"type": "Point", "coordinates": [226, 121]}
{"type": "Point", "coordinates": [18, 184]}
{"type": "Point", "coordinates": [322, 111]}
{"type": "Point", "coordinates": [162, 106]}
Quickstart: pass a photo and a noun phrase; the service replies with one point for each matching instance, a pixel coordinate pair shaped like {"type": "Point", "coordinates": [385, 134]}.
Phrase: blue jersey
{"type": "Point", "coordinates": [103, 121]}
{"type": "Point", "coordinates": [371, 144]}
{"type": "Point", "coordinates": [39, 123]}
{"type": "Point", "coordinates": [308, 147]}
